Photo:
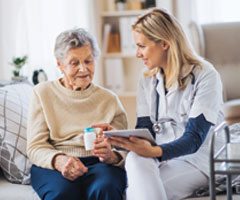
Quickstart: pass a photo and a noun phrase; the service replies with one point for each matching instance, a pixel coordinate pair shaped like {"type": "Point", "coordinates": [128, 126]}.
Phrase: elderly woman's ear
{"type": "Point", "coordinates": [59, 65]}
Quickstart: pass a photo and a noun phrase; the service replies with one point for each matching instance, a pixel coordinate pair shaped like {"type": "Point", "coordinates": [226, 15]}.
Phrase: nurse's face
{"type": "Point", "coordinates": [153, 54]}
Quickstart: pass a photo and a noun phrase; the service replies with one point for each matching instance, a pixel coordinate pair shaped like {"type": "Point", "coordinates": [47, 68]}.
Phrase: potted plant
{"type": "Point", "coordinates": [18, 63]}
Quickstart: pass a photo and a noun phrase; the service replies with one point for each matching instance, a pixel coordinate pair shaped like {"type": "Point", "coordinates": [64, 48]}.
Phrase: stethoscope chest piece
{"type": "Point", "coordinates": [157, 127]}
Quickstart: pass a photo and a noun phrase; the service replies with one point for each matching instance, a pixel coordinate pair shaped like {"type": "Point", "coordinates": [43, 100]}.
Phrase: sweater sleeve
{"type": "Point", "coordinates": [120, 119]}
{"type": "Point", "coordinates": [193, 137]}
{"type": "Point", "coordinates": [39, 150]}
{"type": "Point", "coordinates": [120, 122]}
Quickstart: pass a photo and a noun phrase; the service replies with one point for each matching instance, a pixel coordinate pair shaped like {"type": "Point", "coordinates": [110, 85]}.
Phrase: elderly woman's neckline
{"type": "Point", "coordinates": [62, 82]}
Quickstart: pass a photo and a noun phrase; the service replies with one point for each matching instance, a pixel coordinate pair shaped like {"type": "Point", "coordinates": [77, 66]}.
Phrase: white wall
{"type": "Point", "coordinates": [13, 25]}
{"type": "Point", "coordinates": [185, 13]}
{"type": "Point", "coordinates": [8, 18]}
{"type": "Point", "coordinates": [31, 26]}
{"type": "Point", "coordinates": [167, 4]}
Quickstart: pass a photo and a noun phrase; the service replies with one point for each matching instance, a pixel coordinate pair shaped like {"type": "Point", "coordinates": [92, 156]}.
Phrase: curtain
{"type": "Point", "coordinates": [30, 27]}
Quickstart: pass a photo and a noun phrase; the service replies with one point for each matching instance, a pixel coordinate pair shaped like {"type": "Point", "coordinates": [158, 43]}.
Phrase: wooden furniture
{"type": "Point", "coordinates": [121, 68]}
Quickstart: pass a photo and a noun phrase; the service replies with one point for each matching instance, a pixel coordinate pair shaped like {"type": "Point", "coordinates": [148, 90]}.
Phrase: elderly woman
{"type": "Point", "coordinates": [59, 112]}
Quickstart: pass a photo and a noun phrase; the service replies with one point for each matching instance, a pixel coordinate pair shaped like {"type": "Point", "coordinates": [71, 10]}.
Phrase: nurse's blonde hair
{"type": "Point", "coordinates": [159, 26]}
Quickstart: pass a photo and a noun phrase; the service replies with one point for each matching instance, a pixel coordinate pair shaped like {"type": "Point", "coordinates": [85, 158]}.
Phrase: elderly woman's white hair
{"type": "Point", "coordinates": [74, 38]}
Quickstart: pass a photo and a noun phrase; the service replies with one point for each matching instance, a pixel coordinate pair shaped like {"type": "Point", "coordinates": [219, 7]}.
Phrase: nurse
{"type": "Point", "coordinates": [180, 101]}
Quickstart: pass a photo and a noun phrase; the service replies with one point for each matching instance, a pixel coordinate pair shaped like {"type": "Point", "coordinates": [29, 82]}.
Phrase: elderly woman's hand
{"type": "Point", "coordinates": [102, 149]}
{"type": "Point", "coordinates": [70, 167]}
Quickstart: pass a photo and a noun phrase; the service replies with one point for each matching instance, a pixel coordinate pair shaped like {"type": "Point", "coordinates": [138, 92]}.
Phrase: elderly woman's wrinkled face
{"type": "Point", "coordinates": [78, 67]}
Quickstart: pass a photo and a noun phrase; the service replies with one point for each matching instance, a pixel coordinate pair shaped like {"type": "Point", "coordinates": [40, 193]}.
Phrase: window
{"type": "Point", "coordinates": [214, 11]}
{"type": "Point", "coordinates": [30, 27]}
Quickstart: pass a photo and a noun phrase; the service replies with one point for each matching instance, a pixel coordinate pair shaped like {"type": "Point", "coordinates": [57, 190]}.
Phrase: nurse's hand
{"type": "Point", "coordinates": [140, 146]}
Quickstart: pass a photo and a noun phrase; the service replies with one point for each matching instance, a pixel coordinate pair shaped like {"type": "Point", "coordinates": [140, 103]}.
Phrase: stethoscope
{"type": "Point", "coordinates": [158, 126]}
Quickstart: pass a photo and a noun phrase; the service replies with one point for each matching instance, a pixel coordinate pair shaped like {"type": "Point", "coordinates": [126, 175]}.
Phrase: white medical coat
{"type": "Point", "coordinates": [204, 96]}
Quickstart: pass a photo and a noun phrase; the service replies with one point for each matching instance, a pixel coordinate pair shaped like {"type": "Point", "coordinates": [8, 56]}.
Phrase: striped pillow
{"type": "Point", "coordinates": [14, 101]}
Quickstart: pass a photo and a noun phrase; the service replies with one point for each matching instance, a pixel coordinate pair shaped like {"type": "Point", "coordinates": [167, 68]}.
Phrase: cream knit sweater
{"type": "Point", "coordinates": [57, 117]}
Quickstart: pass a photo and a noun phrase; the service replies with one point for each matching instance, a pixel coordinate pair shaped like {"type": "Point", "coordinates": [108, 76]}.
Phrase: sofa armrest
{"type": "Point", "coordinates": [232, 111]}
{"type": "Point", "coordinates": [197, 38]}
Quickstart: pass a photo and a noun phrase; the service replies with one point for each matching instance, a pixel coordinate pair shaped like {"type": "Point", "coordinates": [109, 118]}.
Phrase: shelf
{"type": "Point", "coordinates": [121, 67]}
{"type": "Point", "coordinates": [119, 55]}
{"type": "Point", "coordinates": [122, 13]}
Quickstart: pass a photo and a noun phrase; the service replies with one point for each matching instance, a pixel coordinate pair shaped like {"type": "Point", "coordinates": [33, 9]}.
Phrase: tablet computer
{"type": "Point", "coordinates": [141, 133]}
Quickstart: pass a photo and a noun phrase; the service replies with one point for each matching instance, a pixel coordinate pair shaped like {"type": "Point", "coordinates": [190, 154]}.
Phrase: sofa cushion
{"type": "Point", "coordinates": [14, 101]}
{"type": "Point", "coordinates": [230, 78]}
{"type": "Point", "coordinates": [10, 191]}
{"type": "Point", "coordinates": [232, 111]}
{"type": "Point", "coordinates": [218, 49]}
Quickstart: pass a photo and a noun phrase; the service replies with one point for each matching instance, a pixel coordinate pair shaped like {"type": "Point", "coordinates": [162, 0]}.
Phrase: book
{"type": "Point", "coordinates": [111, 40]}
{"type": "Point", "coordinates": [114, 74]}
{"type": "Point", "coordinates": [127, 43]}
{"type": "Point", "coordinates": [106, 33]}
{"type": "Point", "coordinates": [113, 43]}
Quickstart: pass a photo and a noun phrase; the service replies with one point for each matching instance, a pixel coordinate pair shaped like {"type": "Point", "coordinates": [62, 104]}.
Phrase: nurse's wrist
{"type": "Point", "coordinates": [156, 151]}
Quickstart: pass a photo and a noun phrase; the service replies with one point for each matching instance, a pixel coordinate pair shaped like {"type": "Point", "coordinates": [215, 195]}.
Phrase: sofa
{"type": "Point", "coordinates": [11, 191]}
{"type": "Point", "coordinates": [219, 43]}
{"type": "Point", "coordinates": [14, 165]}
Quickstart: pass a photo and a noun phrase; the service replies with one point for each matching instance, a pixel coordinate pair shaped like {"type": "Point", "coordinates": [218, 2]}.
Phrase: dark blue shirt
{"type": "Point", "coordinates": [194, 135]}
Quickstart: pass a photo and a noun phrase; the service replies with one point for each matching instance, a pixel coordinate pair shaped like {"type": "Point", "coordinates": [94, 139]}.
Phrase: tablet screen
{"type": "Point", "coordinates": [141, 133]}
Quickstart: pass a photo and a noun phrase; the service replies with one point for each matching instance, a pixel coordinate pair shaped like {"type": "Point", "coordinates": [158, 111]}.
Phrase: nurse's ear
{"type": "Point", "coordinates": [164, 45]}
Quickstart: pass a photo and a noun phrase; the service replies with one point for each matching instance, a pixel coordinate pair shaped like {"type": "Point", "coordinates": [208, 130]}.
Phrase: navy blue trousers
{"type": "Point", "coordinates": [101, 182]}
